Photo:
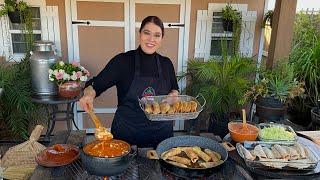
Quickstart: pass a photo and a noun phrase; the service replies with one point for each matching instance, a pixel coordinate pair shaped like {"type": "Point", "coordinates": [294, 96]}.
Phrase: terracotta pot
{"type": "Point", "coordinates": [69, 89]}
{"type": "Point", "coordinates": [270, 110]}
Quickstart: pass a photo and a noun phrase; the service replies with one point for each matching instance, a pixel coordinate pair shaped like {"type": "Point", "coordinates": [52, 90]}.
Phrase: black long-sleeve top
{"type": "Point", "coordinates": [120, 72]}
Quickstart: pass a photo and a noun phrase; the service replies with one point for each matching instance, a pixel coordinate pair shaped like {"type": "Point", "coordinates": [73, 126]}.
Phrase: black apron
{"type": "Point", "coordinates": [130, 123]}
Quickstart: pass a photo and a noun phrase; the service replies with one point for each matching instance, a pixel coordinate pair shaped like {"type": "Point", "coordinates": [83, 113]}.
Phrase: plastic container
{"type": "Point", "coordinates": [238, 134]}
{"type": "Point", "coordinates": [286, 127]}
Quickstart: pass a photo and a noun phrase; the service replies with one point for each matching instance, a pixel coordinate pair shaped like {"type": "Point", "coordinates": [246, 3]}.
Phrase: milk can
{"type": "Point", "coordinates": [41, 60]}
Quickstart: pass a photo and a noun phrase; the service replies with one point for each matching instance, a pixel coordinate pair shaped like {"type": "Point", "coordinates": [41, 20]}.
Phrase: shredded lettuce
{"type": "Point", "coordinates": [276, 133]}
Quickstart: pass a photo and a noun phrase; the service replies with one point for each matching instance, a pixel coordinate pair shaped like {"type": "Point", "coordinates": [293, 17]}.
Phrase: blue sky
{"type": "Point", "coordinates": [301, 4]}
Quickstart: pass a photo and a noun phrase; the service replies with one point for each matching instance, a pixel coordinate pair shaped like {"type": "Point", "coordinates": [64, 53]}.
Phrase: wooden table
{"type": "Point", "coordinates": [147, 169]}
{"type": "Point", "coordinates": [312, 135]}
{"type": "Point", "coordinates": [233, 168]}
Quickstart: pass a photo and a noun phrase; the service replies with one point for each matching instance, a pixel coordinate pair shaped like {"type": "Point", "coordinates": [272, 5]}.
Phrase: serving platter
{"type": "Point", "coordinates": [266, 157]}
{"type": "Point", "coordinates": [44, 160]}
{"type": "Point", "coordinates": [149, 100]}
{"type": "Point", "coordinates": [276, 173]}
{"type": "Point", "coordinates": [280, 173]}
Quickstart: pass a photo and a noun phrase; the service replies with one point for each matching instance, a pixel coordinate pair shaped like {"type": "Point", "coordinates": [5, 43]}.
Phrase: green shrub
{"type": "Point", "coordinates": [222, 82]}
{"type": "Point", "coordinates": [17, 110]}
{"type": "Point", "coordinates": [305, 54]}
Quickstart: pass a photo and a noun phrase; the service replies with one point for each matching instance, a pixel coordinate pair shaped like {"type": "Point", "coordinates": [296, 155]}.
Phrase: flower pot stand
{"type": "Point", "coordinates": [53, 103]}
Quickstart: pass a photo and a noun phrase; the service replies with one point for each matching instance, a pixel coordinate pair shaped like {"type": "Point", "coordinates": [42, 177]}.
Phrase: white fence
{"type": "Point", "coordinates": [310, 11]}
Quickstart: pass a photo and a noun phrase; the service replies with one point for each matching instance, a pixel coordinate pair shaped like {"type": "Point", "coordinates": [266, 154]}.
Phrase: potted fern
{"type": "Point", "coordinates": [230, 18]}
{"type": "Point", "coordinates": [273, 91]}
{"type": "Point", "coordinates": [223, 83]}
{"type": "Point", "coordinates": [18, 11]}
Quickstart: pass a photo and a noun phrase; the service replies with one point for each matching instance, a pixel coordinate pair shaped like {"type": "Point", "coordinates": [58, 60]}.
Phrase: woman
{"type": "Point", "coordinates": [137, 73]}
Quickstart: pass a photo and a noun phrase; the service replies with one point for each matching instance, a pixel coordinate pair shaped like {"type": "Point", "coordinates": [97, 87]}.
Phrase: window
{"type": "Point", "coordinates": [45, 22]}
{"type": "Point", "coordinates": [218, 35]}
{"type": "Point", "coordinates": [216, 50]}
{"type": "Point", "coordinates": [209, 31]}
{"type": "Point", "coordinates": [17, 33]}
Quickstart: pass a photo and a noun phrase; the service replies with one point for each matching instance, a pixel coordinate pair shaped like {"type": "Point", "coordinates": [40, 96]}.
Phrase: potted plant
{"type": "Point", "coordinates": [273, 91]}
{"type": "Point", "coordinates": [268, 18]}
{"type": "Point", "coordinates": [17, 11]}
{"type": "Point", "coordinates": [230, 18]}
{"type": "Point", "coordinates": [223, 83]}
{"type": "Point", "coordinates": [68, 77]}
{"type": "Point", "coordinates": [17, 111]}
{"type": "Point", "coordinates": [305, 56]}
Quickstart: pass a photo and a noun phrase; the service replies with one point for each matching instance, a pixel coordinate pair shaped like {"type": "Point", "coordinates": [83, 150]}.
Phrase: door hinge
{"type": "Point", "coordinates": [179, 25]}
{"type": "Point", "coordinates": [81, 22]}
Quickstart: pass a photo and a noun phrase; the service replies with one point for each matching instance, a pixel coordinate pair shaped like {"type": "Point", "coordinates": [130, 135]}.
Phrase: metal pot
{"type": "Point", "coordinates": [191, 141]}
{"type": "Point", "coordinates": [315, 117]}
{"type": "Point", "coordinates": [42, 58]}
{"type": "Point", "coordinates": [101, 166]}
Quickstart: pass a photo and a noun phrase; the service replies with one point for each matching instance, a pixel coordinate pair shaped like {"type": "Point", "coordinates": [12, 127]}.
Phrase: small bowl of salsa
{"type": "Point", "coordinates": [239, 133]}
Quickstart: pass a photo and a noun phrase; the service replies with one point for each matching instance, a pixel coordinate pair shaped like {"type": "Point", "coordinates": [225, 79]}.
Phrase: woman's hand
{"type": "Point", "coordinates": [86, 101]}
{"type": "Point", "coordinates": [173, 93]}
{"type": "Point", "coordinates": [172, 97]}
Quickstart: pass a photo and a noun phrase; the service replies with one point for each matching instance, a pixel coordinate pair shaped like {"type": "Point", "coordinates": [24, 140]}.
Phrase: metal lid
{"type": "Point", "coordinates": [43, 45]}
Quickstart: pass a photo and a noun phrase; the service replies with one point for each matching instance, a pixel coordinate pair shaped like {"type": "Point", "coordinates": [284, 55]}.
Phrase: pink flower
{"type": "Point", "coordinates": [79, 74]}
{"type": "Point", "coordinates": [75, 63]}
{"type": "Point", "coordinates": [59, 75]}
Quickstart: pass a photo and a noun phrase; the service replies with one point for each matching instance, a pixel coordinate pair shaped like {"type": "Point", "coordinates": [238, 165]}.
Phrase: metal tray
{"type": "Point", "coordinates": [282, 165]}
{"type": "Point", "coordinates": [171, 100]}
{"type": "Point", "coordinates": [286, 127]}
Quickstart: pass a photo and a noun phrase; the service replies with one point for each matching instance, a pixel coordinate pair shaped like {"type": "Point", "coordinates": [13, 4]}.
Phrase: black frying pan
{"type": "Point", "coordinates": [202, 142]}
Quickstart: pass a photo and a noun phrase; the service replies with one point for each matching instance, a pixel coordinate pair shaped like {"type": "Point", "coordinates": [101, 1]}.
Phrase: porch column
{"type": "Point", "coordinates": [282, 30]}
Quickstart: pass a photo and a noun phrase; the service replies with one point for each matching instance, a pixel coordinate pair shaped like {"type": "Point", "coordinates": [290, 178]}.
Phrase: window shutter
{"type": "Point", "coordinates": [247, 33]}
{"type": "Point", "coordinates": [50, 28]}
{"type": "Point", "coordinates": [204, 29]}
{"type": "Point", "coordinates": [203, 34]}
{"type": "Point", "coordinates": [5, 42]}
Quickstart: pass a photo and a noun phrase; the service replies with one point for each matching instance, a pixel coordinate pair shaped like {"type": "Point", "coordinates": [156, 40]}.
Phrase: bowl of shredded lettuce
{"type": "Point", "coordinates": [270, 132]}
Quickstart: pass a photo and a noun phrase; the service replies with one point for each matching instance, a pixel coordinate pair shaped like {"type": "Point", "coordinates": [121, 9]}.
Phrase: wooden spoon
{"type": "Point", "coordinates": [244, 120]}
{"type": "Point", "coordinates": [100, 132]}
{"type": "Point", "coordinates": [94, 118]}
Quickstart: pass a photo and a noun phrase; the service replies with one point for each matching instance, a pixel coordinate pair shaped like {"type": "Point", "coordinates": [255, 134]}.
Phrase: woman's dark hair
{"type": "Point", "coordinates": [152, 19]}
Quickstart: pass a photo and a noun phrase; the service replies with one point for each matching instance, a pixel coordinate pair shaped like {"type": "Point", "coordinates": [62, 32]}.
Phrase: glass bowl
{"type": "Point", "coordinates": [239, 134]}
